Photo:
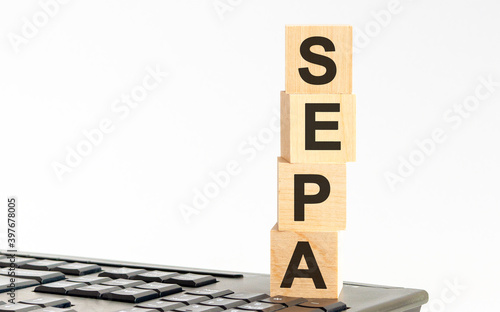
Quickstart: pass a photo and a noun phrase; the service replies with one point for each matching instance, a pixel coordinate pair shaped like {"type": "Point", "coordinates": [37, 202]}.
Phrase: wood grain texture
{"type": "Point", "coordinates": [329, 215]}
{"type": "Point", "coordinates": [325, 248]}
{"type": "Point", "coordinates": [340, 36]}
{"type": "Point", "coordinates": [293, 131]}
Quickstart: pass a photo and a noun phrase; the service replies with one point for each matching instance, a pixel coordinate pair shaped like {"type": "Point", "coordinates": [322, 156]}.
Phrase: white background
{"type": "Point", "coordinates": [413, 67]}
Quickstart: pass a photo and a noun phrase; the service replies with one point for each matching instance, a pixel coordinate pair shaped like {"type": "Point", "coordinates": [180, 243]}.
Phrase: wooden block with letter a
{"type": "Point", "coordinates": [318, 128]}
{"type": "Point", "coordinates": [318, 59]}
{"type": "Point", "coordinates": [311, 197]}
{"type": "Point", "coordinates": [304, 264]}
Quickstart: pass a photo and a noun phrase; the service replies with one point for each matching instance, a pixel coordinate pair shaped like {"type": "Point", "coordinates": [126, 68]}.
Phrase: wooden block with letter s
{"type": "Point", "coordinates": [318, 59]}
{"type": "Point", "coordinates": [311, 197]}
{"type": "Point", "coordinates": [304, 264]}
{"type": "Point", "coordinates": [318, 128]}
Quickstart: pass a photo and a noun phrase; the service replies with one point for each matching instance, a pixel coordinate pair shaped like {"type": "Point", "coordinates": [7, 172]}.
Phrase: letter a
{"type": "Point", "coordinates": [293, 271]}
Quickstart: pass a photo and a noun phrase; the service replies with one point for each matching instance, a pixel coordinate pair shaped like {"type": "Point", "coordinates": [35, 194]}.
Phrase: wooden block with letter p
{"type": "Point", "coordinates": [311, 197]}
{"type": "Point", "coordinates": [318, 128]}
{"type": "Point", "coordinates": [318, 59]}
{"type": "Point", "coordinates": [304, 264]}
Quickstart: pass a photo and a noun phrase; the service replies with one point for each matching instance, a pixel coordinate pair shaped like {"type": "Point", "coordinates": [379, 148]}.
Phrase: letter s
{"type": "Point", "coordinates": [326, 62]}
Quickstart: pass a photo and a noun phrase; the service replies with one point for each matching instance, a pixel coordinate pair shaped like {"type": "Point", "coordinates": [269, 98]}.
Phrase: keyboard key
{"type": "Point", "coordinates": [122, 283]}
{"type": "Point", "coordinates": [89, 280]}
{"type": "Point", "coordinates": [121, 273]}
{"type": "Point", "coordinates": [92, 291]}
{"type": "Point", "coordinates": [40, 276]}
{"type": "Point", "coordinates": [154, 276]}
{"type": "Point", "coordinates": [185, 298]}
{"type": "Point", "coordinates": [224, 303]}
{"type": "Point", "coordinates": [78, 268]}
{"type": "Point", "coordinates": [61, 287]}
{"type": "Point", "coordinates": [248, 297]}
{"type": "Point", "coordinates": [161, 288]}
{"type": "Point", "coordinates": [137, 310]}
{"type": "Point", "coordinates": [327, 305]}
{"type": "Point", "coordinates": [161, 305]}
{"type": "Point", "coordinates": [5, 284]}
{"type": "Point", "coordinates": [48, 302]}
{"type": "Point", "coordinates": [14, 261]}
{"type": "Point", "coordinates": [18, 307]}
{"type": "Point", "coordinates": [192, 280]}
{"type": "Point", "coordinates": [133, 295]}
{"type": "Point", "coordinates": [44, 265]}
{"type": "Point", "coordinates": [287, 301]}
{"type": "Point", "coordinates": [211, 293]}
{"type": "Point", "coordinates": [198, 308]}
{"type": "Point", "coordinates": [52, 309]}
{"type": "Point", "coordinates": [301, 309]}
{"type": "Point", "coordinates": [261, 306]}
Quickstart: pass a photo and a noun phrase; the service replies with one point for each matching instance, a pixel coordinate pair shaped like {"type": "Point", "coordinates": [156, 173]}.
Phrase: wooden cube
{"type": "Point", "coordinates": [304, 264]}
{"type": "Point", "coordinates": [318, 59]}
{"type": "Point", "coordinates": [318, 128]}
{"type": "Point", "coordinates": [311, 197]}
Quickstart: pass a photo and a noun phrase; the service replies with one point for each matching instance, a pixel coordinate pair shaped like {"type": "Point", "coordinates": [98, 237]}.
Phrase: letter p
{"type": "Point", "coordinates": [301, 198]}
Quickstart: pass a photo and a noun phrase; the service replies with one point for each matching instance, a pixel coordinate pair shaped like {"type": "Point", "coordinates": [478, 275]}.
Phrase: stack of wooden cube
{"type": "Point", "coordinates": [318, 137]}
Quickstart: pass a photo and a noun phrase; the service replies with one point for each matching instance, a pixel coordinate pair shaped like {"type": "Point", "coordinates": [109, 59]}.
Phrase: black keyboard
{"type": "Point", "coordinates": [47, 283]}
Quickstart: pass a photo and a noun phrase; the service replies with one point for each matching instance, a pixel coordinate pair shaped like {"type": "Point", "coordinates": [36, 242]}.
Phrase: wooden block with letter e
{"type": "Point", "coordinates": [318, 128]}
{"type": "Point", "coordinates": [304, 264]}
{"type": "Point", "coordinates": [318, 59]}
{"type": "Point", "coordinates": [311, 197]}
